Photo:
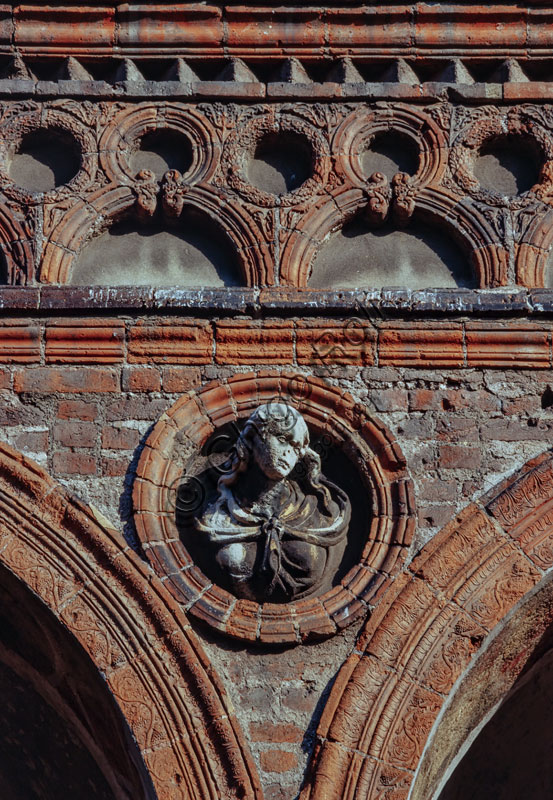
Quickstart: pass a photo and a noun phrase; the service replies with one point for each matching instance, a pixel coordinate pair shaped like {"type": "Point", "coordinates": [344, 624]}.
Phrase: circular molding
{"type": "Point", "coordinates": [483, 130]}
{"type": "Point", "coordinates": [122, 138]}
{"type": "Point", "coordinates": [181, 434]}
{"type": "Point", "coordinates": [241, 146]}
{"type": "Point", "coordinates": [354, 136]}
{"type": "Point", "coordinates": [47, 119]}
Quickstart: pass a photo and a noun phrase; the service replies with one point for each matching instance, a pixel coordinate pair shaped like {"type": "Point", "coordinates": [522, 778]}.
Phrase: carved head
{"type": "Point", "coordinates": [278, 438]}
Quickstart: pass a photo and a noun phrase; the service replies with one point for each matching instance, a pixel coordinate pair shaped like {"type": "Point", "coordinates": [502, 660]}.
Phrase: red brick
{"type": "Point", "coordinates": [459, 456]}
{"type": "Point", "coordinates": [31, 441]}
{"type": "Point", "coordinates": [120, 438]}
{"type": "Point", "coordinates": [389, 399]}
{"type": "Point", "coordinates": [5, 379]}
{"type": "Point", "coordinates": [299, 698]}
{"type": "Point", "coordinates": [330, 342]}
{"type": "Point", "coordinates": [425, 400]}
{"type": "Point", "coordinates": [69, 463]}
{"type": "Point", "coordinates": [456, 429]}
{"type": "Point", "coordinates": [114, 466]}
{"type": "Point", "coordinates": [421, 345]}
{"type": "Point", "coordinates": [359, 27]}
{"type": "Point", "coordinates": [275, 733]}
{"type": "Point", "coordinates": [522, 406]}
{"type": "Point", "coordinates": [19, 342]}
{"type": "Point", "coordinates": [46, 380]}
{"type": "Point", "coordinates": [75, 434]}
{"type": "Point", "coordinates": [141, 379]}
{"type": "Point", "coordinates": [245, 342]}
{"type": "Point", "coordinates": [436, 489]}
{"type": "Point", "coordinates": [181, 379]}
{"type": "Point", "coordinates": [85, 341]}
{"type": "Point", "coordinates": [141, 406]}
{"type": "Point", "coordinates": [41, 26]}
{"type": "Point", "coordinates": [180, 342]}
{"type": "Point", "coordinates": [292, 29]}
{"type": "Point", "coordinates": [515, 430]}
{"type": "Point", "coordinates": [77, 409]}
{"type": "Point", "coordinates": [146, 25]}
{"type": "Point", "coordinates": [479, 27]}
{"type": "Point", "coordinates": [278, 761]}
{"type": "Point", "coordinates": [496, 345]}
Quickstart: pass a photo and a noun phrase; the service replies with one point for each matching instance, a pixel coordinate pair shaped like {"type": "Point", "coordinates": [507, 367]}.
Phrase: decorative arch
{"type": "Point", "coordinates": [534, 250]}
{"type": "Point", "coordinates": [462, 220]}
{"type": "Point", "coordinates": [89, 218]}
{"type": "Point", "coordinates": [423, 634]}
{"type": "Point", "coordinates": [518, 646]}
{"type": "Point", "coordinates": [17, 248]}
{"type": "Point", "coordinates": [133, 631]}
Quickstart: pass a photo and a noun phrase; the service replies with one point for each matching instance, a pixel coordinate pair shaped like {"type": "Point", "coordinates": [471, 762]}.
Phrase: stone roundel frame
{"type": "Point", "coordinates": [514, 122]}
{"type": "Point", "coordinates": [241, 146]}
{"type": "Point", "coordinates": [11, 136]}
{"type": "Point", "coordinates": [359, 129]}
{"type": "Point", "coordinates": [188, 425]}
{"type": "Point", "coordinates": [122, 137]}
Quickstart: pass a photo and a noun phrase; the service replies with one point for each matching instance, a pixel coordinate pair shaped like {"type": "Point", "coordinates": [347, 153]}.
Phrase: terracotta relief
{"type": "Point", "coordinates": [277, 527]}
{"type": "Point", "coordinates": [275, 235]}
{"type": "Point", "coordinates": [273, 506]}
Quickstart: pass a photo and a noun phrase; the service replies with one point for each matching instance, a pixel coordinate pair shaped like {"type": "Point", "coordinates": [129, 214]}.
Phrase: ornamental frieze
{"type": "Point", "coordinates": [221, 159]}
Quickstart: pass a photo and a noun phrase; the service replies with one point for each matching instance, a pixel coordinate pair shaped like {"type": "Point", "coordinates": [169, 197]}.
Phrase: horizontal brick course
{"type": "Point", "coordinates": [244, 342]}
{"type": "Point", "coordinates": [187, 342]}
{"type": "Point", "coordinates": [88, 341]}
{"type": "Point", "coordinates": [19, 342]}
{"type": "Point", "coordinates": [421, 345]}
{"type": "Point", "coordinates": [47, 380]}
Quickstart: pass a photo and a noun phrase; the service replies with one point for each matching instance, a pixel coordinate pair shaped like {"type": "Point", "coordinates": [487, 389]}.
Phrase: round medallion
{"type": "Point", "coordinates": [273, 506]}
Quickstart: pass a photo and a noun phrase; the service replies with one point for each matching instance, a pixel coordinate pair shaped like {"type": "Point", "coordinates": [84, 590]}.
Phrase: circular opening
{"type": "Point", "coordinates": [508, 164]}
{"type": "Point", "coordinates": [281, 163]}
{"type": "Point", "coordinates": [45, 159]}
{"type": "Point", "coordinates": [161, 151]}
{"type": "Point", "coordinates": [391, 152]}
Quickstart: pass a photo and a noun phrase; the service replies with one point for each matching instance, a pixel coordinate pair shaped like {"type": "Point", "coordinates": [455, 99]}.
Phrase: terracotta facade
{"type": "Point", "coordinates": [348, 209]}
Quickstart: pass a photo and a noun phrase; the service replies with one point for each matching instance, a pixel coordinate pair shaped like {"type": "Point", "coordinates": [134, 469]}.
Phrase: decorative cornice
{"type": "Point", "coordinates": [213, 31]}
{"type": "Point", "coordinates": [49, 301]}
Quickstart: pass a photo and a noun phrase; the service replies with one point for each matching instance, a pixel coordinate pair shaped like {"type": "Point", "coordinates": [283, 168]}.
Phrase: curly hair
{"type": "Point", "coordinates": [278, 419]}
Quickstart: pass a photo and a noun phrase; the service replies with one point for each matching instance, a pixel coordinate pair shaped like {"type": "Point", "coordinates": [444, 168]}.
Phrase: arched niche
{"type": "Point", "coordinates": [494, 738]}
{"type": "Point", "coordinates": [61, 732]}
{"type": "Point", "coordinates": [419, 257]}
{"type": "Point", "coordinates": [194, 253]}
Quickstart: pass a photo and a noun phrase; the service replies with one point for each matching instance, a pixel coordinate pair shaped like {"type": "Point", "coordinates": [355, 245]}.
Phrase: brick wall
{"type": "Point", "coordinates": [469, 400]}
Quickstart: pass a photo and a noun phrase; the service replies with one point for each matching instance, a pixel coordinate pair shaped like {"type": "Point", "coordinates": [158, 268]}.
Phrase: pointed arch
{"type": "Point", "coordinates": [423, 634]}
{"type": "Point", "coordinates": [133, 631]}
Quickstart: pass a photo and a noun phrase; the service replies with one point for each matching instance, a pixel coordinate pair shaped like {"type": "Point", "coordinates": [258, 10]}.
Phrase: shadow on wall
{"type": "Point", "coordinates": [548, 276]}
{"type": "Point", "coordinates": [420, 257]}
{"type": "Point", "coordinates": [196, 254]}
{"type": "Point", "coordinates": [61, 731]}
{"type": "Point", "coordinates": [511, 756]}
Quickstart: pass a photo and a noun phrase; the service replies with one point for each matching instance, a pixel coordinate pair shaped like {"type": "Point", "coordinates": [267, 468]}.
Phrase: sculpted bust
{"type": "Point", "coordinates": [275, 537]}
